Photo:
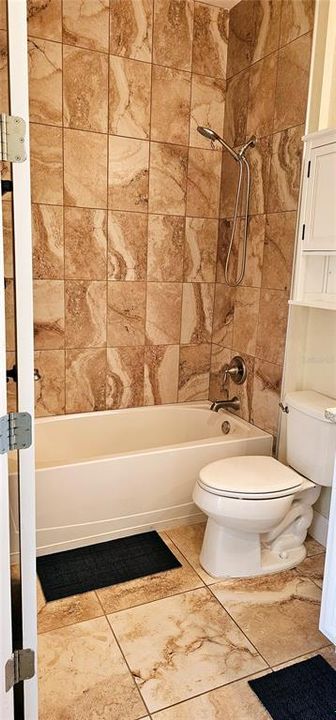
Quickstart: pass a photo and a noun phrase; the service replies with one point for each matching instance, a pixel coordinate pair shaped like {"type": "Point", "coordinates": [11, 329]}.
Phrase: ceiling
{"type": "Point", "coordinates": [228, 4]}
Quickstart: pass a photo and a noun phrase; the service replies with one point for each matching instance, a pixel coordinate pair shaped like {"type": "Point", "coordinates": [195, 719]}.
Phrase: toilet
{"type": "Point", "coordinates": [259, 510]}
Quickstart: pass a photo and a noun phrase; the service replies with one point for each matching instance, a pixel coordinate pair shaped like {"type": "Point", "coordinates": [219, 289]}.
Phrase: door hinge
{"type": "Point", "coordinates": [12, 136]}
{"type": "Point", "coordinates": [15, 432]}
{"type": "Point", "coordinates": [21, 666]}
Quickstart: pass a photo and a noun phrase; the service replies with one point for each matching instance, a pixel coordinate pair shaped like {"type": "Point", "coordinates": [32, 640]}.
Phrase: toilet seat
{"type": "Point", "coordinates": [249, 477]}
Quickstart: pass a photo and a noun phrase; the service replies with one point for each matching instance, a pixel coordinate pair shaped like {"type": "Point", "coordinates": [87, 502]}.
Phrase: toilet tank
{"type": "Point", "coordinates": [311, 438]}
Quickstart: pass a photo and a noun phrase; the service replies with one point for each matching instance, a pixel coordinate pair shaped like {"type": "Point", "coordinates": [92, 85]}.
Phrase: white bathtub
{"type": "Point", "coordinates": [108, 474]}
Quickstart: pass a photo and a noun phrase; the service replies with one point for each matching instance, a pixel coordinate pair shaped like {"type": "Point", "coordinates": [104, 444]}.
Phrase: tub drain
{"type": "Point", "coordinates": [226, 427]}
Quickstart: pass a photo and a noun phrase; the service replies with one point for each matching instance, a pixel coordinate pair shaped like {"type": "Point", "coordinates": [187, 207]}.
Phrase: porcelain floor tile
{"type": "Point", "coordinates": [152, 587]}
{"type": "Point", "coordinates": [188, 539]}
{"type": "Point", "coordinates": [328, 653]}
{"type": "Point", "coordinates": [182, 646]}
{"type": "Point", "coordinates": [278, 613]}
{"type": "Point", "coordinates": [68, 611]}
{"type": "Point", "coordinates": [232, 702]}
{"type": "Point", "coordinates": [313, 547]}
{"type": "Point", "coordinates": [313, 568]}
{"type": "Point", "coordinates": [83, 676]}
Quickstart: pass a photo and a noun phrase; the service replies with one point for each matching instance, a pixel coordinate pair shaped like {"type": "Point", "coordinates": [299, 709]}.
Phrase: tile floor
{"type": "Point", "coordinates": [179, 645]}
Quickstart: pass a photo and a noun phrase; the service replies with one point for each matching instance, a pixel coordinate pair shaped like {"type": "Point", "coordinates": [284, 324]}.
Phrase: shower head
{"type": "Point", "coordinates": [212, 135]}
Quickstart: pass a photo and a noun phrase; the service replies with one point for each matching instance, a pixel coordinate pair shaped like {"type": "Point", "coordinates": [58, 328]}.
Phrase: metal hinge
{"type": "Point", "coordinates": [21, 666]}
{"type": "Point", "coordinates": [12, 136]}
{"type": "Point", "coordinates": [15, 432]}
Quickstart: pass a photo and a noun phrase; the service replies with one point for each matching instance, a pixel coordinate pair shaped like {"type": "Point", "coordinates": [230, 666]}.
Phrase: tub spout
{"type": "Point", "coordinates": [232, 404]}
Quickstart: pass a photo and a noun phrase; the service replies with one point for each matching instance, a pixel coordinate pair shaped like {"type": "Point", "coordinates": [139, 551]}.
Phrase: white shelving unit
{"type": "Point", "coordinates": [315, 265]}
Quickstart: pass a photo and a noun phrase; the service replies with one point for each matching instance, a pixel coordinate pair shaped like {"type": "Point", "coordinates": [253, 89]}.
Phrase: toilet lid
{"type": "Point", "coordinates": [250, 475]}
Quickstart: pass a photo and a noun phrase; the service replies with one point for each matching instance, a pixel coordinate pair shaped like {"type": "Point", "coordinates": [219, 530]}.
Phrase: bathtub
{"type": "Point", "coordinates": [109, 474]}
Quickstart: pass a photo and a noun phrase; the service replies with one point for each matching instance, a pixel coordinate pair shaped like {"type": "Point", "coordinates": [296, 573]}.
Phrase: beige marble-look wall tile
{"type": "Point", "coordinates": [46, 162]}
{"type": "Point", "coordinates": [45, 81]}
{"type": "Point", "coordinates": [188, 623]}
{"type": "Point", "coordinates": [45, 19]}
{"type": "Point", "coordinates": [85, 313]}
{"type": "Point", "coordinates": [262, 95]}
{"type": "Point", "coordinates": [292, 83]}
{"type": "Point", "coordinates": [173, 33]}
{"type": "Point", "coordinates": [85, 169]}
{"type": "Point", "coordinates": [8, 239]}
{"type": "Point", "coordinates": [165, 248]}
{"type": "Point", "coordinates": [129, 97]}
{"type": "Point", "coordinates": [207, 107]}
{"type": "Point", "coordinates": [211, 26]}
{"type": "Point", "coordinates": [48, 242]}
{"type": "Point", "coordinates": [276, 602]}
{"type": "Point", "coordinates": [4, 96]}
{"type": "Point", "coordinates": [204, 173]}
{"type": "Point", "coordinates": [222, 332]}
{"type": "Point", "coordinates": [3, 14]}
{"type": "Point", "coordinates": [80, 668]}
{"type": "Point", "coordinates": [85, 379]}
{"type": "Point", "coordinates": [236, 108]}
{"type": "Point", "coordinates": [285, 170]}
{"type": "Point", "coordinates": [244, 392]}
{"type": "Point", "coordinates": [10, 315]}
{"type": "Point", "coordinates": [128, 174]}
{"type": "Point", "coordinates": [170, 105]}
{"type": "Point", "coordinates": [297, 18]}
{"type": "Point", "coordinates": [85, 89]}
{"type": "Point", "coordinates": [279, 250]}
{"type": "Point", "coordinates": [126, 313]}
{"type": "Point", "coordinates": [224, 241]}
{"type": "Point", "coordinates": [272, 325]}
{"type": "Point", "coordinates": [220, 358]}
{"type": "Point", "coordinates": [200, 249]}
{"type": "Point", "coordinates": [266, 395]}
{"type": "Point", "coordinates": [245, 322]}
{"type": "Point", "coordinates": [125, 377]}
{"type": "Point", "coordinates": [48, 314]}
{"type": "Point", "coordinates": [197, 313]}
{"type": "Point", "coordinates": [131, 29]}
{"type": "Point", "coordinates": [85, 235]}
{"type": "Point", "coordinates": [266, 18]}
{"type": "Point", "coordinates": [163, 316]}
{"type": "Point", "coordinates": [127, 246]}
{"type": "Point", "coordinates": [241, 37]}
{"type": "Point", "coordinates": [194, 372]}
{"type": "Point", "coordinates": [255, 251]}
{"type": "Point", "coordinates": [229, 179]}
{"type": "Point", "coordinates": [86, 24]}
{"type": "Point", "coordinates": [260, 161]}
{"type": "Point", "coordinates": [50, 389]}
{"type": "Point", "coordinates": [161, 374]}
{"type": "Point", "coordinates": [168, 179]}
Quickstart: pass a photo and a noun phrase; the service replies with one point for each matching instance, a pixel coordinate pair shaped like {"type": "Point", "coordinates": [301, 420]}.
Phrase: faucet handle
{"type": "Point", "coordinates": [236, 370]}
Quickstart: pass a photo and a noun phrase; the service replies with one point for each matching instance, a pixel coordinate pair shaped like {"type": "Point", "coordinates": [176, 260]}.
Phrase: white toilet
{"type": "Point", "coordinates": [259, 510]}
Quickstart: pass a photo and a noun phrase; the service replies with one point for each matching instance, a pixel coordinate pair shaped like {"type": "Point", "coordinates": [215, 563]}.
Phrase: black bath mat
{"type": "Point", "coordinates": [109, 563]}
{"type": "Point", "coordinates": [304, 691]}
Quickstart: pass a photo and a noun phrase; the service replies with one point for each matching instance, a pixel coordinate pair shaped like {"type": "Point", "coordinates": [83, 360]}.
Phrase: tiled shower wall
{"type": "Point", "coordinates": [125, 198]}
{"type": "Point", "coordinates": [266, 96]}
{"type": "Point", "coordinates": [131, 307]}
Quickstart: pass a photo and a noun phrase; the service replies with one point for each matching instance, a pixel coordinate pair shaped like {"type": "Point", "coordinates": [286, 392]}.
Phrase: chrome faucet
{"type": "Point", "coordinates": [233, 404]}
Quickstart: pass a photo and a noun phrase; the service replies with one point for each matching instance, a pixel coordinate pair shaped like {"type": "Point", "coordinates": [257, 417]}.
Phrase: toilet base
{"type": "Point", "coordinates": [227, 553]}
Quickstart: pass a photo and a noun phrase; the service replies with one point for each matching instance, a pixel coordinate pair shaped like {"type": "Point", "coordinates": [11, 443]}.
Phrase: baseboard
{"type": "Point", "coordinates": [319, 528]}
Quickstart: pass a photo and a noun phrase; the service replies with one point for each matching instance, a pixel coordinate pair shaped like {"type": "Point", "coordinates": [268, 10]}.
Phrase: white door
{"type": "Point", "coordinates": [18, 626]}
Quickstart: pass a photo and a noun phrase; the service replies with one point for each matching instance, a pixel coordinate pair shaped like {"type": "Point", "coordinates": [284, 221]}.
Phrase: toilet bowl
{"type": "Point", "coordinates": [259, 509]}
{"type": "Point", "coordinates": [258, 513]}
